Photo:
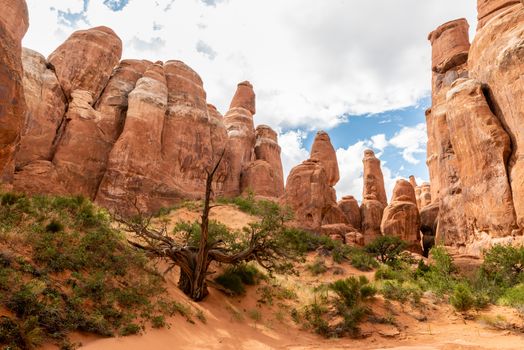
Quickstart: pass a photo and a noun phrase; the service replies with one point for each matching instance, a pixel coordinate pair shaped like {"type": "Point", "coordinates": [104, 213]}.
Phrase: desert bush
{"type": "Point", "coordinates": [318, 267]}
{"type": "Point", "coordinates": [387, 249]}
{"type": "Point", "coordinates": [462, 298]}
{"type": "Point", "coordinates": [513, 297]}
{"type": "Point", "coordinates": [401, 291]}
{"type": "Point", "coordinates": [233, 278]}
{"type": "Point", "coordinates": [504, 265]}
{"type": "Point", "coordinates": [108, 284]}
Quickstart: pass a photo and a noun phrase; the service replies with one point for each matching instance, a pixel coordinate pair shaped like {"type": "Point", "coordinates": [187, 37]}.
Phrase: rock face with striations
{"type": "Point", "coordinates": [475, 133]}
{"type": "Point", "coordinates": [14, 23]}
{"type": "Point", "coordinates": [374, 198]}
{"type": "Point", "coordinates": [86, 59]}
{"type": "Point", "coordinates": [323, 150]}
{"type": "Point", "coordinates": [482, 148]}
{"type": "Point", "coordinates": [496, 61]}
{"type": "Point", "coordinates": [123, 133]}
{"type": "Point", "coordinates": [264, 176]}
{"type": "Point", "coordinates": [401, 217]}
{"type": "Point", "coordinates": [241, 132]}
{"type": "Point", "coordinates": [308, 194]}
{"type": "Point", "coordinates": [446, 187]}
{"type": "Point", "coordinates": [349, 206]}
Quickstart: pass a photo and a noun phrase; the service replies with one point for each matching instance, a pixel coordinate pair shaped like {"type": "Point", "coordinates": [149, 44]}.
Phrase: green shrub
{"type": "Point", "coordinates": [317, 268]}
{"type": "Point", "coordinates": [387, 249]}
{"type": "Point", "coordinates": [54, 226]}
{"type": "Point", "coordinates": [231, 281]}
{"type": "Point", "coordinates": [513, 296]}
{"type": "Point", "coordinates": [401, 291]}
{"type": "Point", "coordinates": [352, 290]}
{"type": "Point", "coordinates": [130, 329]}
{"type": "Point", "coordinates": [462, 298]}
{"type": "Point", "coordinates": [361, 260]}
{"type": "Point", "coordinates": [504, 264]}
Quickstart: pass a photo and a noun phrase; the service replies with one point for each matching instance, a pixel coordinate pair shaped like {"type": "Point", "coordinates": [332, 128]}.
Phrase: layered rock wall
{"type": "Point", "coordinates": [129, 135]}
{"type": "Point", "coordinates": [475, 129]}
{"type": "Point", "coordinates": [14, 23]}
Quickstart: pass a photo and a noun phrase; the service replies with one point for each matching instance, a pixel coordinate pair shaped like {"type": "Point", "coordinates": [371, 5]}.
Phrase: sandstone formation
{"type": "Point", "coordinates": [241, 132]}
{"type": "Point", "coordinates": [86, 59]}
{"type": "Point", "coordinates": [46, 106]}
{"type": "Point", "coordinates": [401, 217]}
{"type": "Point", "coordinates": [349, 206]}
{"type": "Point", "coordinates": [446, 186]}
{"type": "Point", "coordinates": [373, 178]}
{"type": "Point", "coordinates": [14, 23]}
{"type": "Point", "coordinates": [488, 9]}
{"type": "Point", "coordinates": [308, 194]}
{"type": "Point", "coordinates": [424, 198]}
{"type": "Point", "coordinates": [475, 134]}
{"type": "Point", "coordinates": [129, 135]}
{"type": "Point", "coordinates": [374, 198]}
{"type": "Point", "coordinates": [496, 62]}
{"type": "Point", "coordinates": [482, 148]}
{"type": "Point", "coordinates": [323, 150]}
{"type": "Point", "coordinates": [264, 176]}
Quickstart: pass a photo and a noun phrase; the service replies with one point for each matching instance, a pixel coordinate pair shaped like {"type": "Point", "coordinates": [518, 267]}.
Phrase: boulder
{"type": "Point", "coordinates": [323, 150]}
{"type": "Point", "coordinates": [86, 59]}
{"type": "Point", "coordinates": [14, 22]}
{"type": "Point", "coordinates": [482, 148]}
{"type": "Point", "coordinates": [351, 210]}
{"type": "Point", "coordinates": [401, 217]}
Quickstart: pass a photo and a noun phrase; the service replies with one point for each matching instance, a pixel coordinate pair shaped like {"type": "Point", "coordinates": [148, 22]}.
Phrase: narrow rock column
{"type": "Point", "coordinates": [241, 132]}
{"type": "Point", "coordinates": [374, 198]}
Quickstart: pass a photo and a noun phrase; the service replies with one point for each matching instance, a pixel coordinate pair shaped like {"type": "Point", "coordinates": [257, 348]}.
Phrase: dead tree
{"type": "Point", "coordinates": [264, 242]}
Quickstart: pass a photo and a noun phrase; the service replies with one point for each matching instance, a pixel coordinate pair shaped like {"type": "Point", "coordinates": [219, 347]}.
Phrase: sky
{"type": "Point", "coordinates": [357, 69]}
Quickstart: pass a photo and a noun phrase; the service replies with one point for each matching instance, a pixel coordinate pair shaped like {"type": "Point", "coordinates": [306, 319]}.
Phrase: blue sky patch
{"type": "Point", "coordinates": [116, 5]}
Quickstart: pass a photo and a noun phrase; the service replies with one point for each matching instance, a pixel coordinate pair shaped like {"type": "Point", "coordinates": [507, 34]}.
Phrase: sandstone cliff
{"type": "Point", "coordinates": [475, 128]}
{"type": "Point", "coordinates": [129, 134]}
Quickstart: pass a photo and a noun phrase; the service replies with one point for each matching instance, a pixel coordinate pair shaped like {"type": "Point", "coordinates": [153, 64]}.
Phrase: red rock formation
{"type": "Point", "coordinates": [450, 45]}
{"type": "Point", "coordinates": [488, 9]}
{"type": "Point", "coordinates": [424, 199]}
{"type": "Point", "coordinates": [308, 194]}
{"type": "Point", "coordinates": [86, 59]}
{"type": "Point", "coordinates": [264, 176]}
{"type": "Point", "coordinates": [373, 178]}
{"type": "Point", "coordinates": [219, 143]}
{"type": "Point", "coordinates": [446, 186]}
{"type": "Point", "coordinates": [241, 133]}
{"type": "Point", "coordinates": [46, 107]}
{"type": "Point", "coordinates": [325, 153]}
{"type": "Point", "coordinates": [351, 210]}
{"type": "Point", "coordinates": [401, 218]}
{"type": "Point", "coordinates": [374, 197]}
{"type": "Point", "coordinates": [13, 26]}
{"type": "Point", "coordinates": [496, 58]}
{"type": "Point", "coordinates": [482, 148]}
{"type": "Point", "coordinates": [134, 170]}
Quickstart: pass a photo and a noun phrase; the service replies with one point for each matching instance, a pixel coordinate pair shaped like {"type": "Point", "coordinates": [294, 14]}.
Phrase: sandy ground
{"type": "Point", "coordinates": [230, 322]}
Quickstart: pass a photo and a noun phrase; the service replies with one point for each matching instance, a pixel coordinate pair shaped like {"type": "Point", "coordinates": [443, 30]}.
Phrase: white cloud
{"type": "Point", "coordinates": [310, 61]}
{"type": "Point", "coordinates": [379, 142]}
{"type": "Point", "coordinates": [412, 141]}
{"type": "Point", "coordinates": [293, 151]}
